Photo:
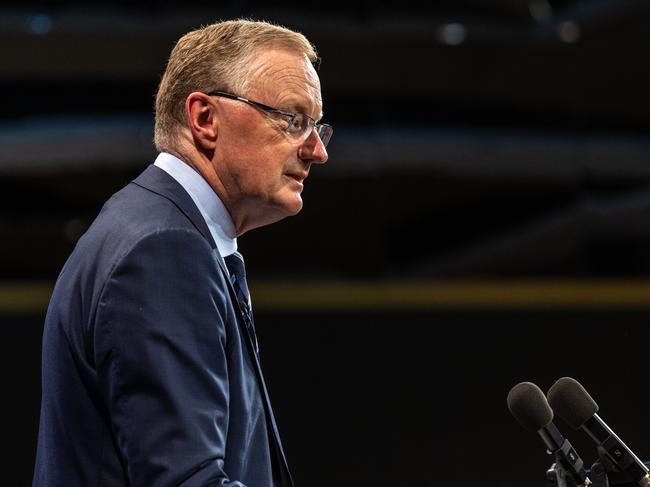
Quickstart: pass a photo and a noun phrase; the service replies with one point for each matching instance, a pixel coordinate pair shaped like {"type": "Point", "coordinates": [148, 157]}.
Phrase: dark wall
{"type": "Point", "coordinates": [404, 398]}
{"type": "Point", "coordinates": [420, 398]}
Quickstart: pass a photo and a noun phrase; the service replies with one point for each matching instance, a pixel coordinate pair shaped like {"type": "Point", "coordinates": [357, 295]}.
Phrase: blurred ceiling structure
{"type": "Point", "coordinates": [490, 137]}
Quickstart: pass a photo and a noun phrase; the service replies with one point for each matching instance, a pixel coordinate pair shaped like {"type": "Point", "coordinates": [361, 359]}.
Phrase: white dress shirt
{"type": "Point", "coordinates": [211, 207]}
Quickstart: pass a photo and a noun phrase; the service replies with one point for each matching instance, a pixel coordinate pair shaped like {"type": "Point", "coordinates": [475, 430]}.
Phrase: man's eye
{"type": "Point", "coordinates": [294, 124]}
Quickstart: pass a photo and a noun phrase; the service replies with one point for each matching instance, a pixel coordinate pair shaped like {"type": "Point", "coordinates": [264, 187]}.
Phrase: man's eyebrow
{"type": "Point", "coordinates": [299, 106]}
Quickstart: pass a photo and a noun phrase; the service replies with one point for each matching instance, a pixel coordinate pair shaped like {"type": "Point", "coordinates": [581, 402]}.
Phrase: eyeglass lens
{"type": "Point", "coordinates": [325, 133]}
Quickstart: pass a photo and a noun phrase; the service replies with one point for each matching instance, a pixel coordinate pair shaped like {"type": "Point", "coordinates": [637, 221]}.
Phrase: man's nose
{"type": "Point", "coordinates": [313, 150]}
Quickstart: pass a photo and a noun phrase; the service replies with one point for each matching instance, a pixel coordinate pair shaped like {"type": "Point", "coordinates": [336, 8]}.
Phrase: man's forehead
{"type": "Point", "coordinates": [289, 79]}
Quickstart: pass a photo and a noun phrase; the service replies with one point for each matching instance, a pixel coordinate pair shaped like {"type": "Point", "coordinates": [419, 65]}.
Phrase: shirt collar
{"type": "Point", "coordinates": [212, 209]}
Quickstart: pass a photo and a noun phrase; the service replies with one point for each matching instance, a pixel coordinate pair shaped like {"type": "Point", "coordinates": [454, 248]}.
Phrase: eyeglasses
{"type": "Point", "coordinates": [299, 125]}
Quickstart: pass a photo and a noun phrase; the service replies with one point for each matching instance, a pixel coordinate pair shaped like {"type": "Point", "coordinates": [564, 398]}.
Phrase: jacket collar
{"type": "Point", "coordinates": [158, 181]}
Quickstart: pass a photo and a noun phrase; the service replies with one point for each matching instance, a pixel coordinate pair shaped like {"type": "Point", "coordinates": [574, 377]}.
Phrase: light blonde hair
{"type": "Point", "coordinates": [215, 57]}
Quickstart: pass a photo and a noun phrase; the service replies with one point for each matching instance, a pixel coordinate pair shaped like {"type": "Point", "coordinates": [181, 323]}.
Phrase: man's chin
{"type": "Point", "coordinates": [291, 204]}
{"type": "Point", "coordinates": [268, 211]}
{"type": "Point", "coordinates": [295, 207]}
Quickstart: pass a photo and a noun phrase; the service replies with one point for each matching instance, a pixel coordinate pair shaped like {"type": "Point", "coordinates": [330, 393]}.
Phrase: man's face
{"type": "Point", "coordinates": [261, 167]}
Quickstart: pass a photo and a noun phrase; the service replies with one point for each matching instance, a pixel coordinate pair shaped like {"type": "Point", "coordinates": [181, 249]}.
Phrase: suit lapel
{"type": "Point", "coordinates": [277, 450]}
{"type": "Point", "coordinates": [276, 444]}
{"type": "Point", "coordinates": [158, 181]}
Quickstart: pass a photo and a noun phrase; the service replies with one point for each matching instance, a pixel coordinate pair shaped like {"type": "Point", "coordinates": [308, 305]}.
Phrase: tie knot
{"type": "Point", "coordinates": [235, 264]}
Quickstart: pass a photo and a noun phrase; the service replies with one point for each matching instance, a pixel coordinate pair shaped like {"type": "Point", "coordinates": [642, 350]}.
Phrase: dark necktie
{"type": "Point", "coordinates": [235, 264]}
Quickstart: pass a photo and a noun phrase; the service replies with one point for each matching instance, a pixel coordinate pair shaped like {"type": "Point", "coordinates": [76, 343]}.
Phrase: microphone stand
{"type": "Point", "coordinates": [599, 475]}
{"type": "Point", "coordinates": [567, 469]}
{"type": "Point", "coordinates": [556, 476]}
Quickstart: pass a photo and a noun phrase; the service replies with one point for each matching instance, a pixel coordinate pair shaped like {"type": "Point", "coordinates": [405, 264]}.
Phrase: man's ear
{"type": "Point", "coordinates": [202, 119]}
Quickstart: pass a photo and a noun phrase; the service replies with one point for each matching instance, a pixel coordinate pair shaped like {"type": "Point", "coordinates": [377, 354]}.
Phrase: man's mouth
{"type": "Point", "coordinates": [300, 177]}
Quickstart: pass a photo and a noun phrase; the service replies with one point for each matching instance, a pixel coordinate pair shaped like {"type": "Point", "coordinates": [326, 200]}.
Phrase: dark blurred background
{"type": "Point", "coordinates": [482, 220]}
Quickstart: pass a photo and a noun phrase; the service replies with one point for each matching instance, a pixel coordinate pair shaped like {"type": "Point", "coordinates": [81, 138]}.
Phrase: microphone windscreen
{"type": "Point", "coordinates": [528, 405]}
{"type": "Point", "coordinates": [571, 402]}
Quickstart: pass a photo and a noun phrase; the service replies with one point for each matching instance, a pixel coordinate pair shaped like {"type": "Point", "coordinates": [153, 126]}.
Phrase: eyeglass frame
{"type": "Point", "coordinates": [268, 109]}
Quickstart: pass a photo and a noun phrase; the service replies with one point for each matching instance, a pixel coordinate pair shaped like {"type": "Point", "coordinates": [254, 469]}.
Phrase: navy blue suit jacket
{"type": "Point", "coordinates": [149, 376]}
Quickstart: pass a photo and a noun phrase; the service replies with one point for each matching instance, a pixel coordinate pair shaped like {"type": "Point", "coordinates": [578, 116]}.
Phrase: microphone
{"type": "Point", "coordinates": [530, 408]}
{"type": "Point", "coordinates": [578, 409]}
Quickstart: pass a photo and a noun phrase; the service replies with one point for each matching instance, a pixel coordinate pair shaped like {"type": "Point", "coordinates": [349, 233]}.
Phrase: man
{"type": "Point", "coordinates": [151, 370]}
